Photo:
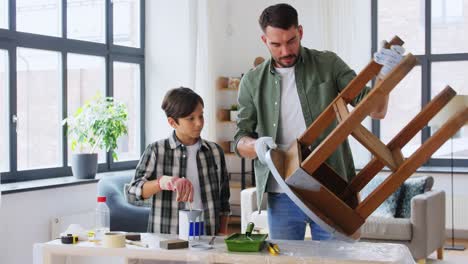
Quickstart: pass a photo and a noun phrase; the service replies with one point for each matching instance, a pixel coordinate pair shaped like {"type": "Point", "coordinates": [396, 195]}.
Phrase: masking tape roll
{"type": "Point", "coordinates": [114, 240]}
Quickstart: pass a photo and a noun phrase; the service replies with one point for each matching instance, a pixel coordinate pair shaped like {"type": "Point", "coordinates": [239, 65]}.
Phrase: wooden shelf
{"type": "Point", "coordinates": [234, 220]}
{"type": "Point", "coordinates": [234, 184]}
{"type": "Point", "coordinates": [228, 89]}
{"type": "Point", "coordinates": [228, 121]}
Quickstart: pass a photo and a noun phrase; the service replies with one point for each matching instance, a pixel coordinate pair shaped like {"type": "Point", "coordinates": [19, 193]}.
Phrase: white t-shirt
{"type": "Point", "coordinates": [192, 174]}
{"type": "Point", "coordinates": [291, 120]}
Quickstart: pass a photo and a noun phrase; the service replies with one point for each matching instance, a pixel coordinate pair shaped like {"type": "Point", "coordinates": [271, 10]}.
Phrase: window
{"type": "Point", "coordinates": [402, 110]}
{"type": "Point", "coordinates": [126, 22]}
{"type": "Point", "coordinates": [449, 26]}
{"type": "Point", "coordinates": [404, 18]}
{"type": "Point", "coordinates": [39, 17]}
{"type": "Point", "coordinates": [38, 109]}
{"type": "Point", "coordinates": [4, 14]}
{"type": "Point", "coordinates": [57, 55]}
{"type": "Point", "coordinates": [86, 76]}
{"type": "Point", "coordinates": [4, 108]}
{"type": "Point", "coordinates": [454, 74]}
{"type": "Point", "coordinates": [434, 30]}
{"type": "Point", "coordinates": [93, 27]}
{"type": "Point", "coordinates": [127, 90]}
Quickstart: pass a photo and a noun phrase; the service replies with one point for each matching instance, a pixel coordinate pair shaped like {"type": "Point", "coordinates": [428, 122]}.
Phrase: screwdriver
{"type": "Point", "coordinates": [273, 249]}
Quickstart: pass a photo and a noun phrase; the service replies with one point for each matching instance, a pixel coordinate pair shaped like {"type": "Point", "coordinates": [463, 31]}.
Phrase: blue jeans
{"type": "Point", "coordinates": [287, 221]}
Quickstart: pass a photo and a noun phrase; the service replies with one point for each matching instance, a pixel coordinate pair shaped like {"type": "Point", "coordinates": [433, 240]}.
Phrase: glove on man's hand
{"type": "Point", "coordinates": [389, 58]}
{"type": "Point", "coordinates": [261, 147]}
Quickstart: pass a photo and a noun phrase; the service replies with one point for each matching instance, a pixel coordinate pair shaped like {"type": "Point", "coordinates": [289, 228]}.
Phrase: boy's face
{"type": "Point", "coordinates": [188, 129]}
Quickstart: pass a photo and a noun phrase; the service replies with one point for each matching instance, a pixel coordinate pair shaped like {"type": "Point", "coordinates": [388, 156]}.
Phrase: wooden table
{"type": "Point", "coordinates": [291, 252]}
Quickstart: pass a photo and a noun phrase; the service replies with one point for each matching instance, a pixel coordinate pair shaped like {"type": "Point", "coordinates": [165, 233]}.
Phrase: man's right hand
{"type": "Point", "coordinates": [182, 186]}
{"type": "Point", "coordinates": [389, 58]}
{"type": "Point", "coordinates": [261, 147]}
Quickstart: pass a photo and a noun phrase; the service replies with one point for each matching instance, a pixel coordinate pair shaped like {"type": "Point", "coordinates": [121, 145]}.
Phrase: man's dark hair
{"type": "Point", "coordinates": [180, 102]}
{"type": "Point", "coordinates": [279, 16]}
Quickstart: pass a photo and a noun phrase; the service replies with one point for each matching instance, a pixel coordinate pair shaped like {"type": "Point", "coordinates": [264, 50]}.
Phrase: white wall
{"type": "Point", "coordinates": [337, 25]}
{"type": "Point", "coordinates": [25, 218]}
{"type": "Point", "coordinates": [166, 59]}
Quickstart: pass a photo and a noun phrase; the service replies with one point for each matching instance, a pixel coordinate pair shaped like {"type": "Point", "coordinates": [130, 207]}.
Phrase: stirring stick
{"type": "Point", "coordinates": [190, 206]}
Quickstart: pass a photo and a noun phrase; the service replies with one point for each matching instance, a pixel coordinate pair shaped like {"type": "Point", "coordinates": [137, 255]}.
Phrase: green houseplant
{"type": "Point", "coordinates": [96, 125]}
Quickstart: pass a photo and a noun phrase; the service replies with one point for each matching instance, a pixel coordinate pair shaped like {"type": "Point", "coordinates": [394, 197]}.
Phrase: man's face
{"type": "Point", "coordinates": [188, 129]}
{"type": "Point", "coordinates": [283, 44]}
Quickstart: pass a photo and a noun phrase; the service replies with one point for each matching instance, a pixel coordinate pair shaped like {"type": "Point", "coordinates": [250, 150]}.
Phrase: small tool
{"type": "Point", "coordinates": [136, 243]}
{"type": "Point", "coordinates": [273, 249]}
{"type": "Point", "coordinates": [249, 229]}
{"type": "Point", "coordinates": [212, 241]}
{"type": "Point", "coordinates": [69, 239]}
{"type": "Point", "coordinates": [204, 246]}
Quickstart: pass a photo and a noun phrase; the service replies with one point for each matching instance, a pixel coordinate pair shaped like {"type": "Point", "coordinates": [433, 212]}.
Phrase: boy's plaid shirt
{"type": "Point", "coordinates": [169, 157]}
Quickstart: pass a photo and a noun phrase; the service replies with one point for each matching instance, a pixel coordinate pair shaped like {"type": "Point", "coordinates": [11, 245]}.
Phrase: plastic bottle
{"type": "Point", "coordinates": [102, 218]}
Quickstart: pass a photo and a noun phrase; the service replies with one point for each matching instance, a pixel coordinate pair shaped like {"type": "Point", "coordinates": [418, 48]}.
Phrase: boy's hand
{"type": "Point", "coordinates": [182, 186]}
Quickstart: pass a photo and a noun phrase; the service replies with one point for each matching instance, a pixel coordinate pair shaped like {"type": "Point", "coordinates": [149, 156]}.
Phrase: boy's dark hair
{"type": "Point", "coordinates": [180, 102]}
{"type": "Point", "coordinates": [280, 16]}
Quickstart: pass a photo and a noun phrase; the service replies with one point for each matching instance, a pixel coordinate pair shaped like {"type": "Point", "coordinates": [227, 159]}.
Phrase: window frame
{"type": "Point", "coordinates": [425, 61]}
{"type": "Point", "coordinates": [10, 40]}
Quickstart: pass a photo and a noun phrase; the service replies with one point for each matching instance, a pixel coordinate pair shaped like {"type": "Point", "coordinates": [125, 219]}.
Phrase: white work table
{"type": "Point", "coordinates": [291, 252]}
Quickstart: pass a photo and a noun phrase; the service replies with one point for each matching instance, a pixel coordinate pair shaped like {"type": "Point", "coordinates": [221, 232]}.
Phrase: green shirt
{"type": "Point", "coordinates": [320, 76]}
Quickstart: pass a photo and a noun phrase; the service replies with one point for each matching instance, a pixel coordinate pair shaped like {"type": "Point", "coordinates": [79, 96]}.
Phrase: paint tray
{"type": "Point", "coordinates": [241, 243]}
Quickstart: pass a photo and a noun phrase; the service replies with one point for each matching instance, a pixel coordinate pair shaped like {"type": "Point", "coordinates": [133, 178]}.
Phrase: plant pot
{"type": "Point", "coordinates": [84, 165]}
{"type": "Point", "coordinates": [234, 115]}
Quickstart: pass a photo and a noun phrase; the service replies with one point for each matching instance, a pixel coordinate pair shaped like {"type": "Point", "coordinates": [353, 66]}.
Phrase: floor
{"type": "Point", "coordinates": [450, 256]}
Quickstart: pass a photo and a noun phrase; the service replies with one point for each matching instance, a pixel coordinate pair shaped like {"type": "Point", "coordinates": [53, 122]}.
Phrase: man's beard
{"type": "Point", "coordinates": [293, 56]}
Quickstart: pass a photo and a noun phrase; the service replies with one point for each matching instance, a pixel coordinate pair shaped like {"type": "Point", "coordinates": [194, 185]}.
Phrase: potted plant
{"type": "Point", "coordinates": [234, 112]}
{"type": "Point", "coordinates": [96, 125]}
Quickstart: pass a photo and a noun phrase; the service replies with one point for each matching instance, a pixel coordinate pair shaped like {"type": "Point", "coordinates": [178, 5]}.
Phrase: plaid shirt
{"type": "Point", "coordinates": [168, 157]}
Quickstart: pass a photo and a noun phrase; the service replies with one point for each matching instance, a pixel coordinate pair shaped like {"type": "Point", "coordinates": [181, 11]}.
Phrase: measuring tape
{"type": "Point", "coordinates": [69, 239]}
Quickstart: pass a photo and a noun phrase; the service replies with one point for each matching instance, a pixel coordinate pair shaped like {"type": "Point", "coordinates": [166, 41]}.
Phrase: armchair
{"type": "Point", "coordinates": [123, 215]}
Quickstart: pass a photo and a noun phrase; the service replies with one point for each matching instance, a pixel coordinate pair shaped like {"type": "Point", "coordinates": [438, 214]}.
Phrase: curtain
{"type": "Point", "coordinates": [201, 74]}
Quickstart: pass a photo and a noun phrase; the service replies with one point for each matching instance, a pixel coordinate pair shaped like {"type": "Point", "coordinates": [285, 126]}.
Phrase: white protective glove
{"type": "Point", "coordinates": [261, 147]}
{"type": "Point", "coordinates": [182, 186]}
{"type": "Point", "coordinates": [389, 58]}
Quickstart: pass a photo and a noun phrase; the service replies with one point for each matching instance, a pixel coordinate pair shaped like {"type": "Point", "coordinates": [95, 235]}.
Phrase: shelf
{"type": "Point", "coordinates": [228, 88]}
{"type": "Point", "coordinates": [234, 220]}
{"type": "Point", "coordinates": [238, 185]}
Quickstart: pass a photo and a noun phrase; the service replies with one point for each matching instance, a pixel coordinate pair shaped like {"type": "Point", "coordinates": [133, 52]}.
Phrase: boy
{"type": "Point", "coordinates": [182, 169]}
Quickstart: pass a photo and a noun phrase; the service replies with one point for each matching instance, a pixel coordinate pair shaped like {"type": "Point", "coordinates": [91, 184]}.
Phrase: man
{"type": "Point", "coordinates": [280, 98]}
{"type": "Point", "coordinates": [183, 168]}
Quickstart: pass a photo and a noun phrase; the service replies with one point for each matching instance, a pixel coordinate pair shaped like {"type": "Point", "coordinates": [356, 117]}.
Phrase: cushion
{"type": "Point", "coordinates": [410, 188]}
{"type": "Point", "coordinates": [131, 199]}
{"type": "Point", "coordinates": [387, 228]}
{"type": "Point", "coordinates": [389, 207]}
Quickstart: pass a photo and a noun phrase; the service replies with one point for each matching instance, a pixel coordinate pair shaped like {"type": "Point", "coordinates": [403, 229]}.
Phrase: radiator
{"type": "Point", "coordinates": [460, 208]}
